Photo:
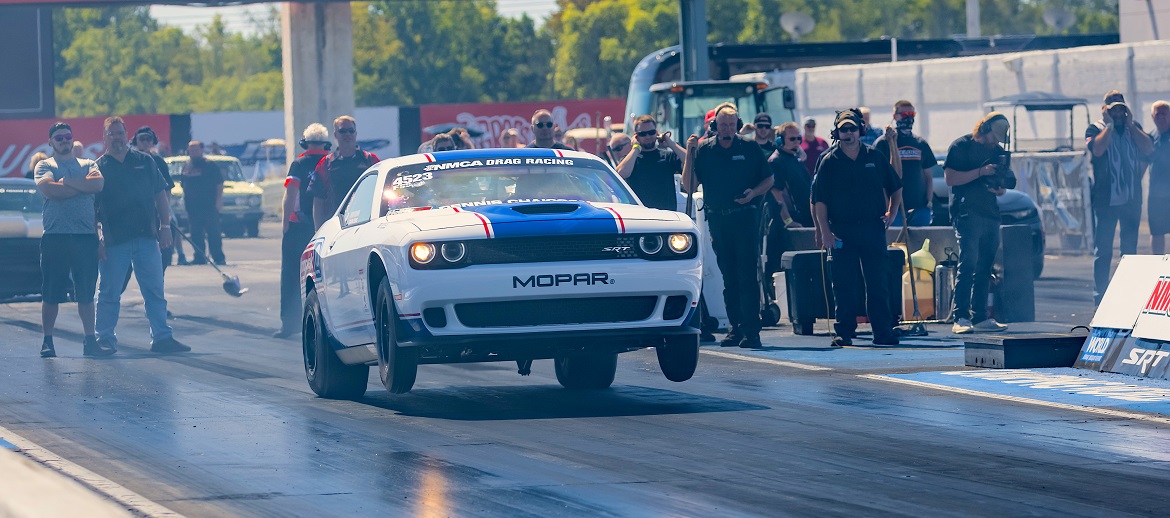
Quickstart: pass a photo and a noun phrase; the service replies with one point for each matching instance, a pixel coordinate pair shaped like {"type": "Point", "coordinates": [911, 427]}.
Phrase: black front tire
{"type": "Point", "coordinates": [679, 357]}
{"type": "Point", "coordinates": [233, 230]}
{"type": "Point", "coordinates": [586, 371]}
{"type": "Point", "coordinates": [397, 366]}
{"type": "Point", "coordinates": [252, 228]}
{"type": "Point", "coordinates": [328, 376]}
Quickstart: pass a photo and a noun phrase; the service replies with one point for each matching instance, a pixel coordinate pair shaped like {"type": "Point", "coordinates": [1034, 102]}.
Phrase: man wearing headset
{"type": "Point", "coordinates": [734, 173]}
{"type": "Point", "coordinates": [298, 225]}
{"type": "Point", "coordinates": [855, 195]}
{"type": "Point", "coordinates": [144, 141]}
{"type": "Point", "coordinates": [977, 170]}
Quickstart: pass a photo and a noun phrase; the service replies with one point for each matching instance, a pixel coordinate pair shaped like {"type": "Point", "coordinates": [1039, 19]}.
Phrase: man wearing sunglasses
{"type": "Point", "coordinates": [855, 194]}
{"type": "Point", "coordinates": [544, 131]}
{"type": "Point", "coordinates": [335, 174]}
{"type": "Point", "coordinates": [917, 160]}
{"type": "Point", "coordinates": [651, 166]}
{"type": "Point", "coordinates": [69, 246]}
{"type": "Point", "coordinates": [144, 141]}
{"type": "Point", "coordinates": [619, 146]}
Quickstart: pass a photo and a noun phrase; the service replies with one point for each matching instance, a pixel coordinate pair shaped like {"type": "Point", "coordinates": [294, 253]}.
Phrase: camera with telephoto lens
{"type": "Point", "coordinates": [1003, 177]}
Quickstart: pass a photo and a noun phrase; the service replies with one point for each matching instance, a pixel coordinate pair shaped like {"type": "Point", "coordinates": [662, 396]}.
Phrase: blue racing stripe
{"type": "Point", "coordinates": [7, 445]}
{"type": "Point", "coordinates": [587, 219]}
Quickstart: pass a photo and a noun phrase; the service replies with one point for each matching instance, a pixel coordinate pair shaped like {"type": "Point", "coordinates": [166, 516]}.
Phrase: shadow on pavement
{"type": "Point", "coordinates": [549, 402]}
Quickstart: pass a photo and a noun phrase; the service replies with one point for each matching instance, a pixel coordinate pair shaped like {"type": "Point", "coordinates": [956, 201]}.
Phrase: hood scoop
{"type": "Point", "coordinates": [547, 208]}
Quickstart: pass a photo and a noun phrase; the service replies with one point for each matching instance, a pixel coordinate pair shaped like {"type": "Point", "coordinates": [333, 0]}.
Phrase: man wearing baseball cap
{"type": "Point", "coordinates": [855, 194]}
{"type": "Point", "coordinates": [1118, 147]}
{"type": "Point", "coordinates": [144, 141]}
{"type": "Point", "coordinates": [812, 145]}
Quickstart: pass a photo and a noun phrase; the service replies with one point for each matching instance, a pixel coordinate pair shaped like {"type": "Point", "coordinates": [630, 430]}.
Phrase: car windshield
{"type": "Point", "coordinates": [501, 181]}
{"type": "Point", "coordinates": [230, 168]}
{"type": "Point", "coordinates": [22, 199]}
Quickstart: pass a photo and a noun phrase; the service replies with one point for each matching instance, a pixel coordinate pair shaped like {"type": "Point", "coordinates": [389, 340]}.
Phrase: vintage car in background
{"type": "Point", "coordinates": [496, 255]}
{"type": "Point", "coordinates": [243, 201]}
{"type": "Point", "coordinates": [20, 238]}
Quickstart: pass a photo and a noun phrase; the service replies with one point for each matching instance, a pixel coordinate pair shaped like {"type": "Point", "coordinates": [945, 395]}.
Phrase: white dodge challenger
{"type": "Point", "coordinates": [496, 255]}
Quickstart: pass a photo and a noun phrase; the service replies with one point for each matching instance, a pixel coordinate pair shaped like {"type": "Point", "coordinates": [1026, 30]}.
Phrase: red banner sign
{"type": "Point", "coordinates": [21, 139]}
{"type": "Point", "coordinates": [493, 119]}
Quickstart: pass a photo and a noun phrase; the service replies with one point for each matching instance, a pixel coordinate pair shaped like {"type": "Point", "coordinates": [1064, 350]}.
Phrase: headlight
{"type": "Point", "coordinates": [1020, 214]}
{"type": "Point", "coordinates": [422, 253]}
{"type": "Point", "coordinates": [650, 245]}
{"type": "Point", "coordinates": [680, 243]}
{"type": "Point", "coordinates": [453, 252]}
{"type": "Point", "coordinates": [254, 200]}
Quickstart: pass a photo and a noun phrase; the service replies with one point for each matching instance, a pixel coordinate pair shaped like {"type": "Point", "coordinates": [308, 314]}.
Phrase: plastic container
{"type": "Point", "coordinates": [923, 287]}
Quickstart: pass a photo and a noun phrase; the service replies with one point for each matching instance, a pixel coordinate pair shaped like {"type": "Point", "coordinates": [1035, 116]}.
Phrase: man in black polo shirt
{"type": "Point", "coordinates": [144, 141]}
{"type": "Point", "coordinates": [855, 194]}
{"type": "Point", "coordinates": [335, 174]}
{"type": "Point", "coordinates": [977, 170]}
{"type": "Point", "coordinates": [651, 166]}
{"type": "Point", "coordinates": [734, 174]}
{"type": "Point", "coordinates": [790, 195]}
{"type": "Point", "coordinates": [134, 221]}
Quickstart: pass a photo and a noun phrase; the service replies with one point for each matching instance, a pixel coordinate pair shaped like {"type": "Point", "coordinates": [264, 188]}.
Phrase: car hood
{"type": "Point", "coordinates": [546, 219]}
{"type": "Point", "coordinates": [18, 224]}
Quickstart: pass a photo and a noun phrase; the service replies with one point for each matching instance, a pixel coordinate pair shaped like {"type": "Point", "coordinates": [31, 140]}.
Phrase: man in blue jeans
{"type": "Point", "coordinates": [134, 224]}
{"type": "Point", "coordinates": [1119, 148]}
{"type": "Point", "coordinates": [977, 170]}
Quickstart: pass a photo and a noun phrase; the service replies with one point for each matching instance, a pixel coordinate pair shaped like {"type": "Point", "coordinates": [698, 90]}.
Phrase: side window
{"type": "Point", "coordinates": [357, 208]}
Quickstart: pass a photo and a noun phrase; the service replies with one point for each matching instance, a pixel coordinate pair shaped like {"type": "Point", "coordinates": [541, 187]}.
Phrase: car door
{"type": "Point", "coordinates": [344, 266]}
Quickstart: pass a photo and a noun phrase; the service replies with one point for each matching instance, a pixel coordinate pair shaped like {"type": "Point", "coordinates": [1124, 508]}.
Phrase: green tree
{"type": "Point", "coordinates": [419, 51]}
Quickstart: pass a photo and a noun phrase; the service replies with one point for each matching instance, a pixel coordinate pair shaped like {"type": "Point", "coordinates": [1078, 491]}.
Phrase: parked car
{"type": "Point", "coordinates": [20, 237]}
{"type": "Point", "coordinates": [243, 202]}
{"type": "Point", "coordinates": [1015, 208]}
{"type": "Point", "coordinates": [496, 255]}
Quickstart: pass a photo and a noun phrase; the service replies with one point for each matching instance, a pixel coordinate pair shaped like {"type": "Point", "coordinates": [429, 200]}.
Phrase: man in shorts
{"type": "Point", "coordinates": [69, 247]}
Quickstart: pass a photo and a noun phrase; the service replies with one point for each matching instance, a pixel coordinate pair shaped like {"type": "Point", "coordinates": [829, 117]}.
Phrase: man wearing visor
{"type": "Point", "coordinates": [977, 170]}
{"type": "Point", "coordinates": [1119, 148]}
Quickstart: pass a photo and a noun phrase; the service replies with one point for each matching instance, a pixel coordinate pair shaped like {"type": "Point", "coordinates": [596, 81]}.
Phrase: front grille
{"type": "Point", "coordinates": [543, 312]}
{"type": "Point", "coordinates": [551, 249]}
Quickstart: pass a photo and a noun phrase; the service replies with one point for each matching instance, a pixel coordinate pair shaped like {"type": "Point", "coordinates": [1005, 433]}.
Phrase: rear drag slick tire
{"type": "Point", "coordinates": [679, 357]}
{"type": "Point", "coordinates": [327, 375]}
{"type": "Point", "coordinates": [586, 371]}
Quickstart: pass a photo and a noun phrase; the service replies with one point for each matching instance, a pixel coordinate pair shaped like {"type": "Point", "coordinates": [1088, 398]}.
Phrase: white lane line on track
{"type": "Point", "coordinates": [769, 361]}
{"type": "Point", "coordinates": [1110, 412]}
{"type": "Point", "coordinates": [132, 501]}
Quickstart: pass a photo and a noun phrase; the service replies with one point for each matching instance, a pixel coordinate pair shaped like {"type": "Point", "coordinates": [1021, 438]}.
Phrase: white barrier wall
{"type": "Point", "coordinates": [949, 93]}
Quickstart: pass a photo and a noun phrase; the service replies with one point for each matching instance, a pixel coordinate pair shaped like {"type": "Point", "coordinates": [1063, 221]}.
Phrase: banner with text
{"type": "Point", "coordinates": [21, 139]}
{"type": "Point", "coordinates": [486, 122]}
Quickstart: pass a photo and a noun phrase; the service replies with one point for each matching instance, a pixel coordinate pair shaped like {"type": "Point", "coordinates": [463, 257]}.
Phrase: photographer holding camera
{"type": "Point", "coordinates": [651, 166]}
{"type": "Point", "coordinates": [977, 170]}
{"type": "Point", "coordinates": [1119, 148]}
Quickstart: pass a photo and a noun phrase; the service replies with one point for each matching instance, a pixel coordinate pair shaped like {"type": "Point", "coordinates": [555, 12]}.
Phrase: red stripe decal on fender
{"type": "Point", "coordinates": [430, 157]}
{"type": "Point", "coordinates": [487, 227]}
{"type": "Point", "coordinates": [621, 223]}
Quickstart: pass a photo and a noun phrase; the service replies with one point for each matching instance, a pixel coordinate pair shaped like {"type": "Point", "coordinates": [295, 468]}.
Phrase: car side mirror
{"type": "Point", "coordinates": [789, 99]}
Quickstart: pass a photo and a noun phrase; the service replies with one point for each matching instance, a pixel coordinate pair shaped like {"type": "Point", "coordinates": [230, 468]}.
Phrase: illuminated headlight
{"type": "Point", "coordinates": [1020, 214]}
{"type": "Point", "coordinates": [680, 243]}
{"type": "Point", "coordinates": [422, 253]}
{"type": "Point", "coordinates": [453, 252]}
{"type": "Point", "coordinates": [650, 245]}
{"type": "Point", "coordinates": [254, 200]}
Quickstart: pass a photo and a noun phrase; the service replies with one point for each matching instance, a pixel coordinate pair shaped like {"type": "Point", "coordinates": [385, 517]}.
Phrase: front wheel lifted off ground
{"type": "Point", "coordinates": [327, 375]}
{"type": "Point", "coordinates": [679, 357]}
{"type": "Point", "coordinates": [586, 371]}
{"type": "Point", "coordinates": [397, 366]}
